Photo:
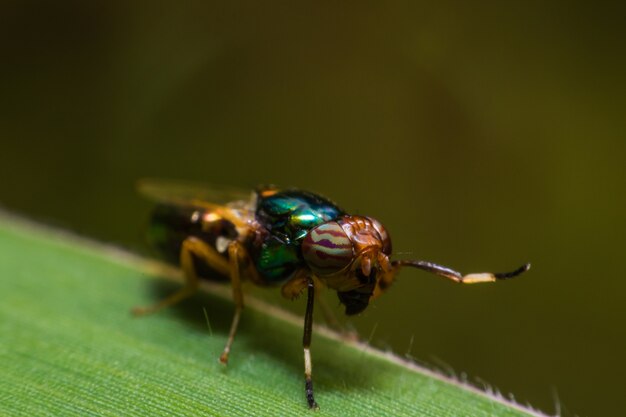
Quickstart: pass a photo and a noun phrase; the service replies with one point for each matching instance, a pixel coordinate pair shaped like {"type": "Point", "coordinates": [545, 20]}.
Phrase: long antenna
{"type": "Point", "coordinates": [474, 278]}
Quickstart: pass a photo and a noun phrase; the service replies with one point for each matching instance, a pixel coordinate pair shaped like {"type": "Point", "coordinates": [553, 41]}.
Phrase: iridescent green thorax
{"type": "Point", "coordinates": [288, 216]}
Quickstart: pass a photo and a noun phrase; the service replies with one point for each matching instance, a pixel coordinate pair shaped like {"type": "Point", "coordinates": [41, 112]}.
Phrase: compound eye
{"type": "Point", "coordinates": [327, 249]}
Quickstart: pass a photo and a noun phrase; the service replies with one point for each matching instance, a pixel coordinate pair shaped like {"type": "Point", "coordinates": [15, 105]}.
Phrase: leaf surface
{"type": "Point", "coordinates": [70, 347]}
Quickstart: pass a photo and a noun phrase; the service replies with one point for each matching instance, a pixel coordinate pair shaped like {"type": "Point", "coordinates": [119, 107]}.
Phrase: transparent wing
{"type": "Point", "coordinates": [189, 193]}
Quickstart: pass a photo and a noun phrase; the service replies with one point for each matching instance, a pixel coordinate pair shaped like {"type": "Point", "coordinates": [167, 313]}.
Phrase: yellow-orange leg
{"type": "Point", "coordinates": [191, 247]}
{"type": "Point", "coordinates": [294, 287]}
{"type": "Point", "coordinates": [236, 253]}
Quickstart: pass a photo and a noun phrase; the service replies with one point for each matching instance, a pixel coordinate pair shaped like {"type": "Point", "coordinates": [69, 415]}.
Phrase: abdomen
{"type": "Point", "coordinates": [171, 224]}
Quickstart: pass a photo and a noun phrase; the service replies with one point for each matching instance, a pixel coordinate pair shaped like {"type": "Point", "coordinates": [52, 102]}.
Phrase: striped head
{"type": "Point", "coordinates": [347, 255]}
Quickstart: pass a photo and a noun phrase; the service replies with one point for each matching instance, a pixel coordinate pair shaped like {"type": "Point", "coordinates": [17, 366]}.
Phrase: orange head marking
{"type": "Point", "coordinates": [370, 241]}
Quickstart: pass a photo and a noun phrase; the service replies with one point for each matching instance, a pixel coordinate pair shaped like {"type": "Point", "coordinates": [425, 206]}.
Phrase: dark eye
{"type": "Point", "coordinates": [327, 249]}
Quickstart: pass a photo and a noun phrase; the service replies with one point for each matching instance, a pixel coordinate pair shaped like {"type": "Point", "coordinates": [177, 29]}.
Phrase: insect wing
{"type": "Point", "coordinates": [191, 194]}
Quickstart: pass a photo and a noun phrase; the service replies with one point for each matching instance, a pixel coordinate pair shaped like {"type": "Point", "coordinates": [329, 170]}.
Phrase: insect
{"type": "Point", "coordinates": [292, 238]}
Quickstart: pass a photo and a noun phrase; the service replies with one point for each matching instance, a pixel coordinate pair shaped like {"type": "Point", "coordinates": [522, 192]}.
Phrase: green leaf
{"type": "Point", "coordinates": [70, 347]}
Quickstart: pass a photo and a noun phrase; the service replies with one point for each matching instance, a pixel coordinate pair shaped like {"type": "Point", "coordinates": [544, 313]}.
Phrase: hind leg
{"type": "Point", "coordinates": [238, 257]}
{"type": "Point", "coordinates": [191, 247]}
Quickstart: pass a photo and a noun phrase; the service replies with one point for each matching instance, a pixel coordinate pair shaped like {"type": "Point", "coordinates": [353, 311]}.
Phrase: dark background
{"type": "Point", "coordinates": [482, 136]}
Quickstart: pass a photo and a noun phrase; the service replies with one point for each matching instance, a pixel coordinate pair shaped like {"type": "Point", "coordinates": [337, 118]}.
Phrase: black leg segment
{"type": "Point", "coordinates": [306, 343]}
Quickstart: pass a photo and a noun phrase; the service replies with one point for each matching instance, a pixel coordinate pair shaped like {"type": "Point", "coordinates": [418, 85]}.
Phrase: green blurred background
{"type": "Point", "coordinates": [482, 135]}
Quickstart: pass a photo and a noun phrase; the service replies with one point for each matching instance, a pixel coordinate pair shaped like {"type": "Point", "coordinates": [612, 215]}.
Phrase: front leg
{"type": "Point", "coordinates": [306, 343]}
